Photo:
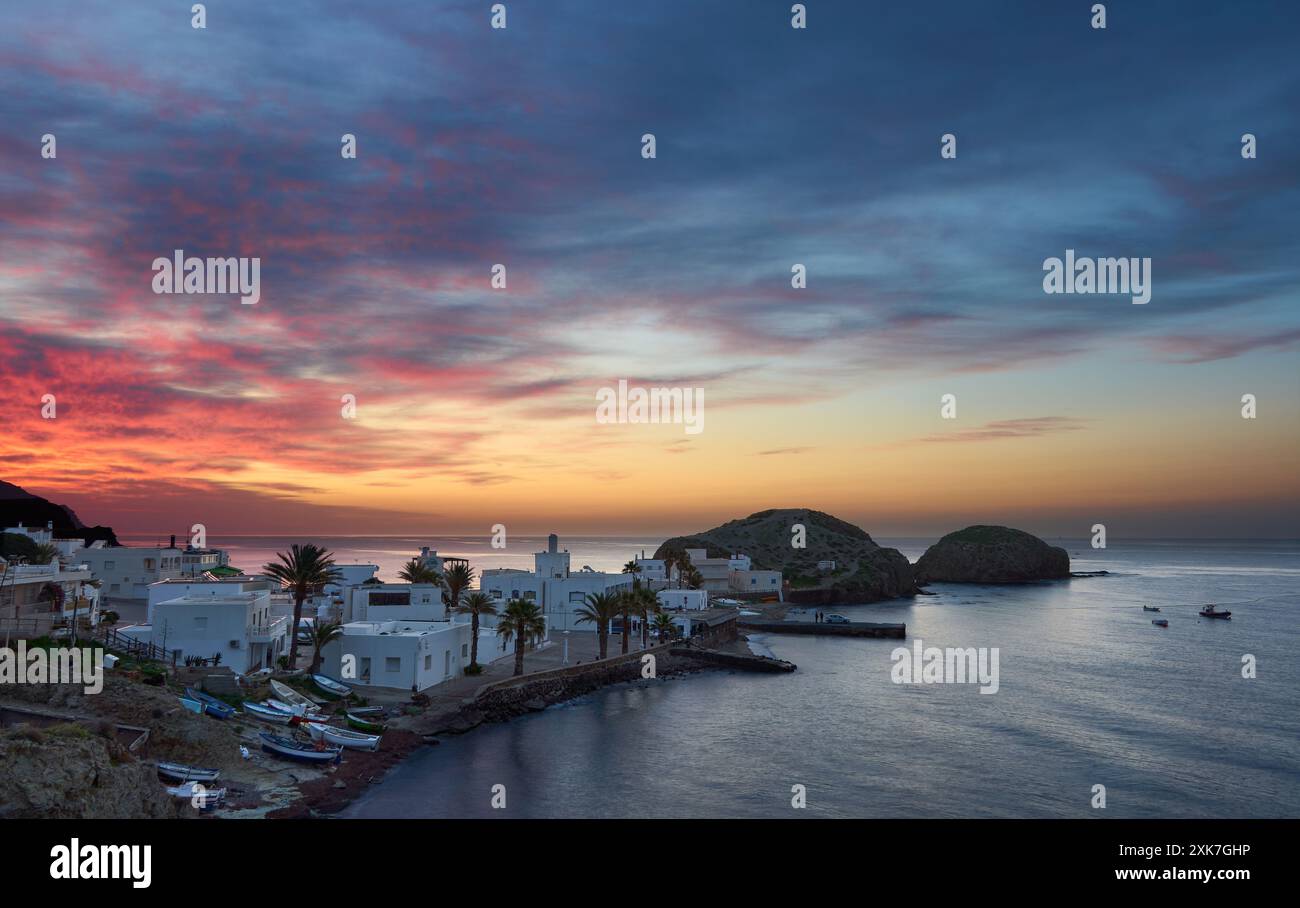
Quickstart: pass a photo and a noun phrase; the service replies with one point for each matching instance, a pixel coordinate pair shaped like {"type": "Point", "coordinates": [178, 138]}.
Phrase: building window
{"type": "Point", "coordinates": [393, 664]}
{"type": "Point", "coordinates": [446, 663]}
{"type": "Point", "coordinates": [514, 594]}
{"type": "Point", "coordinates": [201, 623]}
{"type": "Point", "coordinates": [495, 594]}
{"type": "Point", "coordinates": [365, 668]}
{"type": "Point", "coordinates": [428, 662]}
{"type": "Point", "coordinates": [464, 650]}
{"type": "Point", "coordinates": [110, 565]}
{"type": "Point", "coordinates": [530, 596]}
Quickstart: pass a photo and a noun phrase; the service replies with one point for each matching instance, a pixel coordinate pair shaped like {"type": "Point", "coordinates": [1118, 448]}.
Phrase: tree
{"type": "Point", "coordinates": [645, 605]}
{"type": "Point", "coordinates": [304, 569]}
{"type": "Point", "coordinates": [692, 577]}
{"type": "Point", "coordinates": [635, 570]}
{"type": "Point", "coordinates": [416, 571]}
{"type": "Point", "coordinates": [599, 609]}
{"type": "Point", "coordinates": [457, 579]}
{"type": "Point", "coordinates": [664, 625]}
{"type": "Point", "coordinates": [320, 635]}
{"type": "Point", "coordinates": [45, 554]}
{"type": "Point", "coordinates": [522, 622]}
{"type": "Point", "coordinates": [670, 562]}
{"type": "Point", "coordinates": [475, 604]}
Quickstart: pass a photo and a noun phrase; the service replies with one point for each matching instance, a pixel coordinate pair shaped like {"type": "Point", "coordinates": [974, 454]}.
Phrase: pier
{"type": "Point", "coordinates": [852, 629]}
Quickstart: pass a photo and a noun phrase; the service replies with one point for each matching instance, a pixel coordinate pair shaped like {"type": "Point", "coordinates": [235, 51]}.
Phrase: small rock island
{"type": "Point", "coordinates": [992, 554]}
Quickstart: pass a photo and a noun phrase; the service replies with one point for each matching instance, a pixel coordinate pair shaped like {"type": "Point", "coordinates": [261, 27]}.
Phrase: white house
{"type": "Point", "coordinates": [237, 624]}
{"type": "Point", "coordinates": [654, 570]}
{"type": "Point", "coordinates": [690, 600]}
{"type": "Point", "coordinates": [51, 591]}
{"type": "Point", "coordinates": [394, 602]}
{"type": "Point", "coordinates": [557, 590]}
{"type": "Point", "coordinates": [734, 573]}
{"type": "Point", "coordinates": [176, 587]}
{"type": "Point", "coordinates": [403, 654]}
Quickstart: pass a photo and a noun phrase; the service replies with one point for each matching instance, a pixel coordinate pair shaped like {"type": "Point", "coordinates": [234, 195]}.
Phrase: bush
{"type": "Point", "coordinates": [475, 669]}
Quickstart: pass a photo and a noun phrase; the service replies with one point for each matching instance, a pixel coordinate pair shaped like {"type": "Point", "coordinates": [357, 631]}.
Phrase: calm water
{"type": "Point", "coordinates": [1091, 693]}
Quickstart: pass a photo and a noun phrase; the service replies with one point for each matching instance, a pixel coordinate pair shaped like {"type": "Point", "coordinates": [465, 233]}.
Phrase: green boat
{"type": "Point", "coordinates": [360, 724]}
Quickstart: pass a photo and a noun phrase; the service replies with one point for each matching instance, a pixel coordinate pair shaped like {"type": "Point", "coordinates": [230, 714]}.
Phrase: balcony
{"type": "Point", "coordinates": [265, 633]}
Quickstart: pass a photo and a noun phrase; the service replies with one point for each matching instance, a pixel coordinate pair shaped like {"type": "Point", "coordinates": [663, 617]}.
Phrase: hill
{"type": "Point", "coordinates": [864, 571]}
{"type": "Point", "coordinates": [992, 554]}
{"type": "Point", "coordinates": [20, 506]}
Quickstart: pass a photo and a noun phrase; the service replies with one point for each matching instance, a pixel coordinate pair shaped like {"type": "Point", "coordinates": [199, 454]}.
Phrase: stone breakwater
{"type": "Point", "coordinates": [531, 693]}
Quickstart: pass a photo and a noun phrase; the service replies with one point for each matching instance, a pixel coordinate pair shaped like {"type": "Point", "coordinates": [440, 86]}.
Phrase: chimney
{"type": "Point", "coordinates": [552, 543]}
{"type": "Point", "coordinates": [173, 542]}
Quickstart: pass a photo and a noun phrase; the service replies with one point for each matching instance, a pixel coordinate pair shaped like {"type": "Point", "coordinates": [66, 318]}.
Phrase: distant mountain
{"type": "Point", "coordinates": [992, 554]}
{"type": "Point", "coordinates": [864, 571]}
{"type": "Point", "coordinates": [17, 506]}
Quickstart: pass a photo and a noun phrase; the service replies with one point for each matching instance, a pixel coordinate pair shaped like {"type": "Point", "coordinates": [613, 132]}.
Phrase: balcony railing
{"type": "Point", "coordinates": [265, 633]}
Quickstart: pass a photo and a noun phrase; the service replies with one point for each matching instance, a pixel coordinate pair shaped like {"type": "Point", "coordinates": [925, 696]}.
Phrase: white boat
{"type": "Point", "coordinates": [341, 737]}
{"type": "Point", "coordinates": [284, 707]}
{"type": "Point", "coordinates": [197, 794]}
{"type": "Point", "coordinates": [267, 714]}
{"type": "Point", "coordinates": [331, 687]}
{"type": "Point", "coordinates": [301, 703]}
{"type": "Point", "coordinates": [179, 772]}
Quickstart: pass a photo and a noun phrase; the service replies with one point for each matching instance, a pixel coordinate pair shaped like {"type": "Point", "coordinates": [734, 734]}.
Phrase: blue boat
{"type": "Point", "coordinates": [211, 705]}
{"type": "Point", "coordinates": [296, 750]}
{"type": "Point", "coordinates": [331, 687]}
{"type": "Point", "coordinates": [194, 706]}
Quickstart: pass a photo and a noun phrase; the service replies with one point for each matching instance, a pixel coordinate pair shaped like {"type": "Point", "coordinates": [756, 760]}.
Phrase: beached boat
{"type": "Point", "coordinates": [211, 705]}
{"type": "Point", "coordinates": [194, 706]}
{"type": "Point", "coordinates": [267, 714]}
{"type": "Point", "coordinates": [1160, 622]}
{"type": "Point", "coordinates": [331, 687]}
{"type": "Point", "coordinates": [341, 737]}
{"type": "Point", "coordinates": [283, 707]}
{"type": "Point", "coordinates": [361, 724]}
{"type": "Point", "coordinates": [198, 794]}
{"type": "Point", "coordinates": [366, 710]}
{"type": "Point", "coordinates": [1150, 608]}
{"type": "Point", "coordinates": [298, 701]}
{"type": "Point", "coordinates": [179, 772]}
{"type": "Point", "coordinates": [1211, 612]}
{"type": "Point", "coordinates": [296, 750]}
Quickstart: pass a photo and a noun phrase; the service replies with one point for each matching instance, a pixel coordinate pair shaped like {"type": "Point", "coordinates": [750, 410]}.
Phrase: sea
{"type": "Point", "coordinates": [1094, 705]}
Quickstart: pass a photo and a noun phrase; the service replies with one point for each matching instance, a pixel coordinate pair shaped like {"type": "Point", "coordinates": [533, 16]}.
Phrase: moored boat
{"type": "Point", "coordinates": [296, 750]}
{"type": "Point", "coordinates": [331, 687]}
{"type": "Point", "coordinates": [179, 772]}
{"type": "Point", "coordinates": [1160, 622]}
{"type": "Point", "coordinates": [1150, 608]}
{"type": "Point", "coordinates": [300, 702]}
{"type": "Point", "coordinates": [267, 714]}
{"type": "Point", "coordinates": [198, 794]}
{"type": "Point", "coordinates": [360, 724]}
{"type": "Point", "coordinates": [342, 737]}
{"type": "Point", "coordinates": [211, 705]}
{"type": "Point", "coordinates": [1211, 612]}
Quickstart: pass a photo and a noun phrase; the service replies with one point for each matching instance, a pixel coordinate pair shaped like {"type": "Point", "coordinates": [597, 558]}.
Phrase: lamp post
{"type": "Point", "coordinates": [565, 635]}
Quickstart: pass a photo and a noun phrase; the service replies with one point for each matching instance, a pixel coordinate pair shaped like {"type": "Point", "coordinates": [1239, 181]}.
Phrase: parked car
{"type": "Point", "coordinates": [835, 619]}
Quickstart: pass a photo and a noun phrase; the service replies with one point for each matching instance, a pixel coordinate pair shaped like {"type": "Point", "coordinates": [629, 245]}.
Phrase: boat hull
{"type": "Point", "coordinates": [373, 728]}
{"type": "Point", "coordinates": [179, 772]}
{"type": "Point", "coordinates": [270, 716]}
{"type": "Point", "coordinates": [291, 750]}
{"type": "Point", "coordinates": [341, 737]}
{"type": "Point", "coordinates": [330, 687]}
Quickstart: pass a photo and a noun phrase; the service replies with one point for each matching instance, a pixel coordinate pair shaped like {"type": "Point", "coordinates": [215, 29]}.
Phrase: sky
{"type": "Point", "coordinates": [775, 146]}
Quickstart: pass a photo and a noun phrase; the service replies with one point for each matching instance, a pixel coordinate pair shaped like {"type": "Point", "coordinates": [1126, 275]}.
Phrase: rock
{"type": "Point", "coordinates": [990, 554]}
{"type": "Point", "coordinates": [536, 704]}
{"type": "Point", "coordinates": [864, 571]}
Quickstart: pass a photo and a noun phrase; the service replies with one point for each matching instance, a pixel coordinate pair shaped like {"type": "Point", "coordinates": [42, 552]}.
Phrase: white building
{"type": "Point", "coordinates": [403, 654]}
{"type": "Point", "coordinates": [394, 602]}
{"type": "Point", "coordinates": [238, 625]}
{"type": "Point", "coordinates": [557, 590]}
{"type": "Point", "coordinates": [734, 573]}
{"type": "Point", "coordinates": [28, 591]}
{"type": "Point", "coordinates": [768, 582]}
{"type": "Point", "coordinates": [174, 588]}
{"type": "Point", "coordinates": [652, 569]}
{"type": "Point", "coordinates": [691, 600]}
{"type": "Point", "coordinates": [127, 571]}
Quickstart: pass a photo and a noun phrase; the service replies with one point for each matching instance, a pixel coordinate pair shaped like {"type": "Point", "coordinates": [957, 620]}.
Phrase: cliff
{"type": "Point", "coordinates": [20, 506]}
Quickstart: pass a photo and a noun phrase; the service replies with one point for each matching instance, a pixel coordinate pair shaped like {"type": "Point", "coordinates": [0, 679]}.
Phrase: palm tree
{"type": "Point", "coordinates": [664, 625]}
{"type": "Point", "coordinates": [305, 568]}
{"type": "Point", "coordinates": [599, 609]}
{"type": "Point", "coordinates": [521, 621]}
{"type": "Point", "coordinates": [694, 579]}
{"type": "Point", "coordinates": [457, 579]}
{"type": "Point", "coordinates": [670, 562]}
{"type": "Point", "coordinates": [320, 635]}
{"type": "Point", "coordinates": [45, 554]}
{"type": "Point", "coordinates": [626, 606]}
{"type": "Point", "coordinates": [645, 604]}
{"type": "Point", "coordinates": [475, 604]}
{"type": "Point", "coordinates": [634, 569]}
{"type": "Point", "coordinates": [416, 571]}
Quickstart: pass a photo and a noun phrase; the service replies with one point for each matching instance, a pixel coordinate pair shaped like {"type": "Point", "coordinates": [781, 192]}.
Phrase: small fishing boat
{"type": "Point", "coordinates": [1160, 622]}
{"type": "Point", "coordinates": [361, 724]}
{"type": "Point", "coordinates": [296, 750]}
{"type": "Point", "coordinates": [331, 687]}
{"type": "Point", "coordinates": [198, 794]}
{"type": "Point", "coordinates": [1211, 612]}
{"type": "Point", "coordinates": [298, 701]}
{"type": "Point", "coordinates": [1150, 608]}
{"type": "Point", "coordinates": [179, 772]}
{"type": "Point", "coordinates": [211, 705]}
{"type": "Point", "coordinates": [366, 710]}
{"type": "Point", "coordinates": [282, 706]}
{"type": "Point", "coordinates": [341, 737]}
{"type": "Point", "coordinates": [267, 714]}
{"type": "Point", "coordinates": [194, 706]}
